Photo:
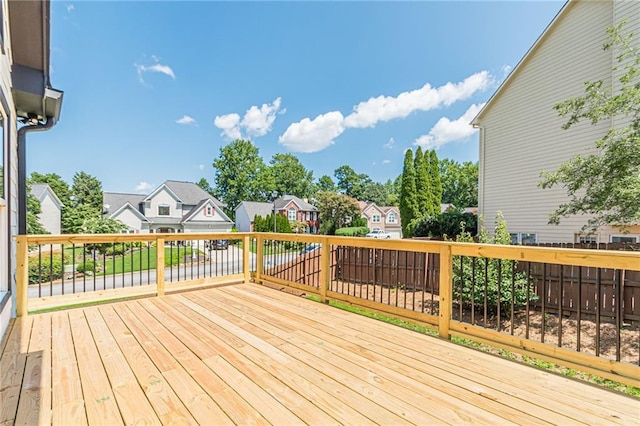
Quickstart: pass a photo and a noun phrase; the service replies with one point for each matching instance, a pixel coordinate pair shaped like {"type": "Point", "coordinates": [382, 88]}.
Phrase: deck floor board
{"type": "Point", "coordinates": [247, 354]}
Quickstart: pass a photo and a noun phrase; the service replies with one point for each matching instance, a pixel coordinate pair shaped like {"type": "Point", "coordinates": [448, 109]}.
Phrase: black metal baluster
{"type": "Point", "coordinates": [598, 305]}
{"type": "Point", "coordinates": [499, 295]}
{"type": "Point", "coordinates": [579, 313]}
{"type": "Point", "coordinates": [560, 302]}
{"type": "Point", "coordinates": [513, 294]}
{"type": "Point", "coordinates": [544, 300]}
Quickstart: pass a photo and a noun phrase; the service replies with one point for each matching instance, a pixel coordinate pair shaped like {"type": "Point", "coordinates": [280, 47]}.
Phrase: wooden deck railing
{"type": "Point", "coordinates": [512, 297]}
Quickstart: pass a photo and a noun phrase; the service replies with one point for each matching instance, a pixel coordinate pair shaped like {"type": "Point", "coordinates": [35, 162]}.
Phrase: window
{"type": "Point", "coordinates": [315, 215]}
{"type": "Point", "coordinates": [523, 238]}
{"type": "Point", "coordinates": [208, 211]}
{"type": "Point", "coordinates": [291, 214]}
{"type": "Point", "coordinates": [623, 239]}
{"type": "Point", "coordinates": [586, 239]}
{"type": "Point", "coordinates": [375, 218]}
{"type": "Point", "coordinates": [163, 210]}
{"type": "Point", "coordinates": [391, 217]}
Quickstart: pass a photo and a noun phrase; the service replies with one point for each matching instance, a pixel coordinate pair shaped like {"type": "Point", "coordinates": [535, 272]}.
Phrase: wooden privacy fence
{"type": "Point", "coordinates": [558, 287]}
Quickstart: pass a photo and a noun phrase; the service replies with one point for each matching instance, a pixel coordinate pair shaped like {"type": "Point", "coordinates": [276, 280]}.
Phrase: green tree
{"type": "Point", "coordinates": [605, 183]}
{"type": "Point", "coordinates": [290, 176]}
{"type": "Point", "coordinates": [87, 191]}
{"type": "Point", "coordinates": [33, 210]}
{"type": "Point", "coordinates": [204, 184]}
{"type": "Point", "coordinates": [423, 184]}
{"type": "Point", "coordinates": [392, 188]}
{"type": "Point", "coordinates": [375, 192]}
{"type": "Point", "coordinates": [335, 211]}
{"type": "Point", "coordinates": [265, 224]}
{"type": "Point", "coordinates": [74, 218]}
{"type": "Point", "coordinates": [435, 183]}
{"type": "Point", "coordinates": [408, 200]}
{"type": "Point", "coordinates": [459, 183]}
{"type": "Point", "coordinates": [325, 183]}
{"type": "Point", "coordinates": [240, 175]}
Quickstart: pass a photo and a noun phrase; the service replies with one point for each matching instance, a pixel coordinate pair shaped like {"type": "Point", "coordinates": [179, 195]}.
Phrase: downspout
{"type": "Point", "coordinates": [22, 170]}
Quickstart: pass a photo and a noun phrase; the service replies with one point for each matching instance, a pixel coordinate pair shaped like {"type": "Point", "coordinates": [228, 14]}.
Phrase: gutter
{"type": "Point", "coordinates": [22, 170]}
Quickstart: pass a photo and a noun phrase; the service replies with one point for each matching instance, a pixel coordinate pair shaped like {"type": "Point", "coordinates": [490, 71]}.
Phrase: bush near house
{"type": "Point", "coordinates": [45, 268]}
{"type": "Point", "coordinates": [446, 225]}
{"type": "Point", "coordinates": [493, 280]}
{"type": "Point", "coordinates": [353, 231]}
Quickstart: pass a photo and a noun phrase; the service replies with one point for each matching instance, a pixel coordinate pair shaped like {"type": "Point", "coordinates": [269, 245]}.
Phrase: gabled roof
{"type": "Point", "coordinates": [113, 201]}
{"type": "Point", "coordinates": [200, 205]}
{"type": "Point", "coordinates": [134, 209]}
{"type": "Point", "coordinates": [516, 70]}
{"type": "Point", "coordinates": [160, 188]}
{"type": "Point", "coordinates": [39, 190]}
{"type": "Point", "coordinates": [371, 206]}
{"type": "Point", "coordinates": [255, 208]}
{"type": "Point", "coordinates": [284, 200]}
{"type": "Point", "coordinates": [190, 193]}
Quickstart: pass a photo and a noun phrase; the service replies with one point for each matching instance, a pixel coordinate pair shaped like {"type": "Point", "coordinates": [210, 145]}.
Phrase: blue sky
{"type": "Point", "coordinates": [153, 90]}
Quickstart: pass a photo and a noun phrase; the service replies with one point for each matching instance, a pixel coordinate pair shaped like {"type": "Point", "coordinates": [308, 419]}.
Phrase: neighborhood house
{"type": "Point", "coordinates": [386, 218]}
{"type": "Point", "coordinates": [295, 209]}
{"type": "Point", "coordinates": [172, 207]}
{"type": "Point", "coordinates": [50, 207]}
{"type": "Point", "coordinates": [521, 133]}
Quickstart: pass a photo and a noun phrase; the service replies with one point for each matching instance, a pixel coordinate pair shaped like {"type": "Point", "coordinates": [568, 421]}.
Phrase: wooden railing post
{"type": "Point", "coordinates": [325, 269]}
{"type": "Point", "coordinates": [22, 275]}
{"type": "Point", "coordinates": [446, 291]}
{"type": "Point", "coordinates": [259, 257]}
{"type": "Point", "coordinates": [246, 253]}
{"type": "Point", "coordinates": [160, 266]}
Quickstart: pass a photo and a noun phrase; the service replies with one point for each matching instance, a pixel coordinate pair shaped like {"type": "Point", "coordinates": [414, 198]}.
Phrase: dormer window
{"type": "Point", "coordinates": [391, 217]}
{"type": "Point", "coordinates": [164, 210]}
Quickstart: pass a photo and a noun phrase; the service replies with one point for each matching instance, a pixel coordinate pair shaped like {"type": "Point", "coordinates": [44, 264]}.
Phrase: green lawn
{"type": "Point", "coordinates": [143, 259]}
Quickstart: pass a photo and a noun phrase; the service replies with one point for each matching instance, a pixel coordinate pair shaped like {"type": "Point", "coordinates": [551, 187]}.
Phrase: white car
{"type": "Point", "coordinates": [378, 233]}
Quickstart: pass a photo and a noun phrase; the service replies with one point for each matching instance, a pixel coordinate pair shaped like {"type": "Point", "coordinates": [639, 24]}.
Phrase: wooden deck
{"type": "Point", "coordinates": [247, 354]}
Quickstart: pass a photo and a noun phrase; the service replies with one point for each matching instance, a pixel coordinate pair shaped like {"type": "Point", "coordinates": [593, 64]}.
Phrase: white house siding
{"type": "Point", "coordinates": [50, 214]}
{"type": "Point", "coordinates": [243, 222]}
{"type": "Point", "coordinates": [132, 221]}
{"type": "Point", "coordinates": [8, 218]}
{"type": "Point", "coordinates": [162, 198]}
{"type": "Point", "coordinates": [521, 132]}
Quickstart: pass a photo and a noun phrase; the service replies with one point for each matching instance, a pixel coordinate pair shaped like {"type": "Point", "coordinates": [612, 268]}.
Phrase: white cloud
{"type": "Point", "coordinates": [229, 125]}
{"type": "Point", "coordinates": [186, 120]}
{"type": "Point", "coordinates": [258, 121]}
{"type": "Point", "coordinates": [70, 7]}
{"type": "Point", "coordinates": [386, 161]}
{"type": "Point", "coordinates": [144, 187]}
{"type": "Point", "coordinates": [506, 69]}
{"type": "Point", "coordinates": [313, 135]}
{"type": "Point", "coordinates": [201, 166]}
{"type": "Point", "coordinates": [445, 130]}
{"type": "Point", "coordinates": [385, 108]}
{"type": "Point", "coordinates": [157, 67]}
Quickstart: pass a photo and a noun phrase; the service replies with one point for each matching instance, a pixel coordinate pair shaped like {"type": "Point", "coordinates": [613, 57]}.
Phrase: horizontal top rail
{"type": "Point", "coordinates": [563, 256]}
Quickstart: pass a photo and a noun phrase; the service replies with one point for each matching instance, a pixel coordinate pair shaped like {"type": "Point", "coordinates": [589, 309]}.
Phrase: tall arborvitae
{"type": "Point", "coordinates": [435, 183]}
{"type": "Point", "coordinates": [408, 199]}
{"type": "Point", "coordinates": [423, 185]}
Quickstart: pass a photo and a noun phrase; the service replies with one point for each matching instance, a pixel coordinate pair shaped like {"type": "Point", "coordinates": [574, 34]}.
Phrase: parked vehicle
{"type": "Point", "coordinates": [379, 234]}
{"type": "Point", "coordinates": [217, 244]}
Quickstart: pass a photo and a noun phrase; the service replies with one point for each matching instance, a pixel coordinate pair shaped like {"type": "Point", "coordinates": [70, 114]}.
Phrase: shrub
{"type": "Point", "coordinates": [353, 231]}
{"type": "Point", "coordinates": [447, 224]}
{"type": "Point", "coordinates": [359, 221]}
{"type": "Point", "coordinates": [89, 267]}
{"type": "Point", "coordinates": [45, 269]}
{"type": "Point", "coordinates": [490, 278]}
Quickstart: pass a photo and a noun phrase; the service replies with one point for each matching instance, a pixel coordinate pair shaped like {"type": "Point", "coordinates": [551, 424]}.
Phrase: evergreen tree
{"type": "Point", "coordinates": [435, 182]}
{"type": "Point", "coordinates": [408, 201]}
{"type": "Point", "coordinates": [423, 187]}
